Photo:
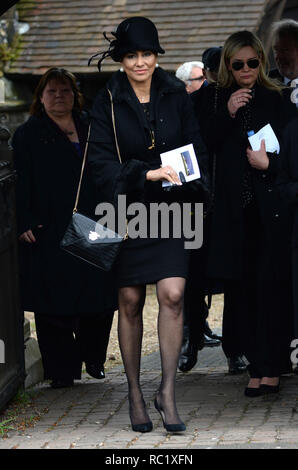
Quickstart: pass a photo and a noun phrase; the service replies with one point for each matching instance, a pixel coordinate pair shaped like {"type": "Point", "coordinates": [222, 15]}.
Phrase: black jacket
{"type": "Point", "coordinates": [274, 73]}
{"type": "Point", "coordinates": [225, 138]}
{"type": "Point", "coordinates": [288, 186]}
{"type": "Point", "coordinates": [48, 168]}
{"type": "Point", "coordinates": [172, 117]}
{"type": "Point", "coordinates": [288, 178]}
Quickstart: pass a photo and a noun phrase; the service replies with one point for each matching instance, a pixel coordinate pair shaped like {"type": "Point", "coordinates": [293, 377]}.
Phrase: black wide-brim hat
{"type": "Point", "coordinates": [135, 34]}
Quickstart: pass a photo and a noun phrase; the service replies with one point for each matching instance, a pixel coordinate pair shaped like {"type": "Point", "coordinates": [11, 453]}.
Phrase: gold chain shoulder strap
{"type": "Point", "coordinates": [75, 209]}
{"type": "Point", "coordinates": [114, 126]}
{"type": "Point", "coordinates": [117, 147]}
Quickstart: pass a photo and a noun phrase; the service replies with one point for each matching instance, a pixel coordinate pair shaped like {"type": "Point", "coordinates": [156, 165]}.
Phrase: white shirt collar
{"type": "Point", "coordinates": [287, 80]}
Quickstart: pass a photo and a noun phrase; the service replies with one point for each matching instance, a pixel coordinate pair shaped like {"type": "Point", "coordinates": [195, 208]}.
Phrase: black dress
{"type": "Point", "coordinates": [147, 260]}
{"type": "Point", "coordinates": [170, 117]}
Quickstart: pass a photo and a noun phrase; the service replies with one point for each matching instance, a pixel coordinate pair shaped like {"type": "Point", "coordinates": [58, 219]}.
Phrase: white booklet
{"type": "Point", "coordinates": [267, 134]}
{"type": "Point", "coordinates": [184, 161]}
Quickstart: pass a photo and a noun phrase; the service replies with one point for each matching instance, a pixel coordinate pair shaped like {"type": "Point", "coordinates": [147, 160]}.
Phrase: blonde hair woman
{"type": "Point", "coordinates": [248, 245]}
{"type": "Point", "coordinates": [233, 45]}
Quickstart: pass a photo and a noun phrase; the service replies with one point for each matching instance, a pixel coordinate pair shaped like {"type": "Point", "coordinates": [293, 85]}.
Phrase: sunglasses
{"type": "Point", "coordinates": [197, 78]}
{"type": "Point", "coordinates": [251, 63]}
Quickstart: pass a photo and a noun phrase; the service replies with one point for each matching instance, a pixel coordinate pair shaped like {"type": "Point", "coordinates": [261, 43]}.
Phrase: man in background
{"type": "Point", "coordinates": [285, 50]}
{"type": "Point", "coordinates": [211, 60]}
{"type": "Point", "coordinates": [191, 73]}
{"type": "Point", "coordinates": [197, 333]}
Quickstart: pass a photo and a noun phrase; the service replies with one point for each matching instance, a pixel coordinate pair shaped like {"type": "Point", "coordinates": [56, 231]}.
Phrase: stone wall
{"type": "Point", "coordinates": [13, 115]}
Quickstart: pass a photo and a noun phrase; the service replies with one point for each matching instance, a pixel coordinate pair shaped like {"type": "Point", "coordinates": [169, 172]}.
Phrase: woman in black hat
{"type": "Point", "coordinates": [152, 114]}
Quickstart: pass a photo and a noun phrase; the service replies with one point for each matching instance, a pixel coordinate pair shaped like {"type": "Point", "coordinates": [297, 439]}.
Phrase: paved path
{"type": "Point", "coordinates": [94, 414]}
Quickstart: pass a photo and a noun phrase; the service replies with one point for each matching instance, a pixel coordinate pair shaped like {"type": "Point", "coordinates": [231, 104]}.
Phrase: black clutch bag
{"type": "Point", "coordinates": [87, 239]}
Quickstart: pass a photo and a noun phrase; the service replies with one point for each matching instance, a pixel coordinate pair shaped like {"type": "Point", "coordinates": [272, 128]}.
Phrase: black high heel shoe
{"type": "Point", "coordinates": [252, 392]}
{"type": "Point", "coordinates": [266, 389]}
{"type": "Point", "coordinates": [142, 427]}
{"type": "Point", "coordinates": [179, 427]}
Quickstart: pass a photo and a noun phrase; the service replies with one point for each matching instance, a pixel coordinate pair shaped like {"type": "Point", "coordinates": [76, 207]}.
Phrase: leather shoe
{"type": "Point", "coordinates": [95, 370]}
{"type": "Point", "coordinates": [188, 357]}
{"type": "Point", "coordinates": [208, 332]}
{"type": "Point", "coordinates": [211, 342]}
{"type": "Point", "coordinates": [236, 365]}
{"type": "Point", "coordinates": [58, 383]}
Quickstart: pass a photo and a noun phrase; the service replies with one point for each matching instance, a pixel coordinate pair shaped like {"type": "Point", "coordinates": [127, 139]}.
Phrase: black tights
{"type": "Point", "coordinates": [170, 328]}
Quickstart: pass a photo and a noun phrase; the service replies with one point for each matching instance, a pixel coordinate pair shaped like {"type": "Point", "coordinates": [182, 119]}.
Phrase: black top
{"type": "Point", "coordinates": [48, 168]}
{"type": "Point", "coordinates": [170, 116]}
{"type": "Point", "coordinates": [226, 138]}
{"type": "Point", "coordinates": [175, 125]}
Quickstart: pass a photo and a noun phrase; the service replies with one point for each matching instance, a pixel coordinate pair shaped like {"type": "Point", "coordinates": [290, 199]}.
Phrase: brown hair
{"type": "Point", "coordinates": [232, 45]}
{"type": "Point", "coordinates": [63, 76]}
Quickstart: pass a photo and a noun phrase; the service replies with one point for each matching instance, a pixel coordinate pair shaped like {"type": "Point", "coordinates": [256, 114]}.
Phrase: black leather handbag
{"type": "Point", "coordinates": [87, 239]}
{"type": "Point", "coordinates": [91, 242]}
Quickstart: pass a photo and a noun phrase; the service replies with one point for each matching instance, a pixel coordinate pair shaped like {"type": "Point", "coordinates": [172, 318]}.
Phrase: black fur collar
{"type": "Point", "coordinates": [164, 82]}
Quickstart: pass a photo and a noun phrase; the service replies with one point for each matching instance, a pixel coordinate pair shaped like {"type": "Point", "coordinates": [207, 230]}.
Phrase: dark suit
{"type": "Point", "coordinates": [288, 185]}
{"type": "Point", "coordinates": [274, 73]}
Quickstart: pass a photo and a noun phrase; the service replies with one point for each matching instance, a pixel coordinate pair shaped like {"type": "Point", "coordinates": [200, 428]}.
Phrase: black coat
{"type": "Point", "coordinates": [288, 178]}
{"type": "Point", "coordinates": [288, 186]}
{"type": "Point", "coordinates": [172, 116]}
{"type": "Point", "coordinates": [48, 168]}
{"type": "Point", "coordinates": [225, 138]}
{"type": "Point", "coordinates": [274, 73]}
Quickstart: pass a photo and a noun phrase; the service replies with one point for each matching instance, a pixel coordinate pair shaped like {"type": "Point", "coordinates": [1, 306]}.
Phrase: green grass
{"type": "Point", "coordinates": [5, 427]}
{"type": "Point", "coordinates": [15, 417]}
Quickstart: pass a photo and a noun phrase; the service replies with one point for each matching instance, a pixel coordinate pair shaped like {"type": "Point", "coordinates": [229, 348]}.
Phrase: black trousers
{"type": "Point", "coordinates": [232, 321]}
{"type": "Point", "coordinates": [257, 318]}
{"type": "Point", "coordinates": [195, 314]}
{"type": "Point", "coordinates": [195, 308]}
{"type": "Point", "coordinates": [295, 290]}
{"type": "Point", "coordinates": [65, 342]}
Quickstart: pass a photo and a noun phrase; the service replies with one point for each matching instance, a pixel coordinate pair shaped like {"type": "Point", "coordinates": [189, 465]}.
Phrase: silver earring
{"type": "Point", "coordinates": [121, 69]}
{"type": "Point", "coordinates": [156, 66]}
